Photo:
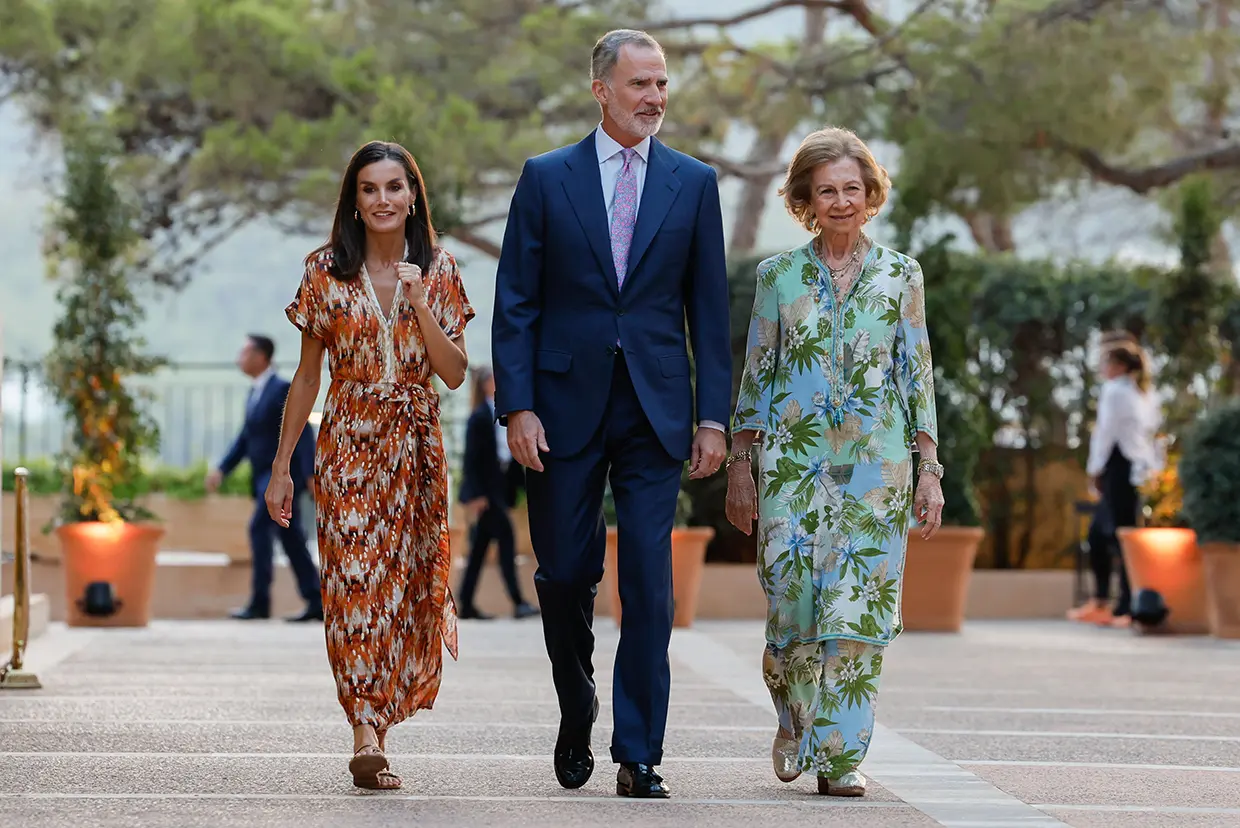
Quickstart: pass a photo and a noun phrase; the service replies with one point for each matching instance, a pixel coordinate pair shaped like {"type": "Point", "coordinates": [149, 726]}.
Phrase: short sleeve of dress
{"type": "Point", "coordinates": [305, 311]}
{"type": "Point", "coordinates": [450, 304]}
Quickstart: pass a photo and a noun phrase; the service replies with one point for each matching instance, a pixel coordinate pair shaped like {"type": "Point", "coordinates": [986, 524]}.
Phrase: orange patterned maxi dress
{"type": "Point", "coordinates": [381, 490]}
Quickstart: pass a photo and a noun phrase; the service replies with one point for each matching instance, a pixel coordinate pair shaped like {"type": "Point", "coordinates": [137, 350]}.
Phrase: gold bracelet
{"type": "Point", "coordinates": [737, 457]}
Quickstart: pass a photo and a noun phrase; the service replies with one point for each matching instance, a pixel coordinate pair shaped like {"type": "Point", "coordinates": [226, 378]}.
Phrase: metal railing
{"type": "Point", "coordinates": [14, 675]}
{"type": "Point", "coordinates": [198, 407]}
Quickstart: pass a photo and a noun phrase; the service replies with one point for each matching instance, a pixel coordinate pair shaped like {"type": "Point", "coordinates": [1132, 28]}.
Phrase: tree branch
{"type": "Point", "coordinates": [468, 236]}
{"type": "Point", "coordinates": [741, 170]}
{"type": "Point", "coordinates": [750, 14]}
{"type": "Point", "coordinates": [176, 272]}
{"type": "Point", "coordinates": [1142, 180]}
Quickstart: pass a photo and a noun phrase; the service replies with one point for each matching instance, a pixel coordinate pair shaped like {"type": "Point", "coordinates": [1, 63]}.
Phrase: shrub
{"type": "Point", "coordinates": [1210, 474]}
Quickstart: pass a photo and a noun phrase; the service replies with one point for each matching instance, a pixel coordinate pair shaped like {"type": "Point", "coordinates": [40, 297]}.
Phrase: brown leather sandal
{"type": "Point", "coordinates": [367, 764]}
{"type": "Point", "coordinates": [381, 781]}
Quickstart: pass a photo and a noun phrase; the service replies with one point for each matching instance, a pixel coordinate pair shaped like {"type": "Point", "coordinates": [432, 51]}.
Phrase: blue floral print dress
{"type": "Point", "coordinates": [839, 386]}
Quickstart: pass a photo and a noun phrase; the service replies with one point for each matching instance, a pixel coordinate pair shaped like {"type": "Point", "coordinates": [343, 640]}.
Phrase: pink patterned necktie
{"type": "Point", "coordinates": [624, 215]}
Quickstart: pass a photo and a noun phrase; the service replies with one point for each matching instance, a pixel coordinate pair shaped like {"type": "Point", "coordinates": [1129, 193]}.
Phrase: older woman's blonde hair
{"type": "Point", "coordinates": [826, 146]}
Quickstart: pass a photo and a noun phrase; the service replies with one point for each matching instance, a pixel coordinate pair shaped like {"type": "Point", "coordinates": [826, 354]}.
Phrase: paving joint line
{"type": "Point", "coordinates": [950, 795]}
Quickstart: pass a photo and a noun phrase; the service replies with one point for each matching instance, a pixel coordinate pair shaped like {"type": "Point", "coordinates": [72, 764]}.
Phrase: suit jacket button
{"type": "Point", "coordinates": [611, 350]}
{"type": "Point", "coordinates": [620, 312]}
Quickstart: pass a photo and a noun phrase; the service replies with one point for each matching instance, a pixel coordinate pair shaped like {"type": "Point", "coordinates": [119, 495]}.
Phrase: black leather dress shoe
{"type": "Point", "coordinates": [250, 614]}
{"type": "Point", "coordinates": [640, 781]}
{"type": "Point", "coordinates": [574, 760]}
{"type": "Point", "coordinates": [310, 614]}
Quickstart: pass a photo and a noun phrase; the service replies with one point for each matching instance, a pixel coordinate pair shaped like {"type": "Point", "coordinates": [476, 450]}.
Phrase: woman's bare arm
{"type": "Point", "coordinates": [303, 391]}
{"type": "Point", "coordinates": [447, 356]}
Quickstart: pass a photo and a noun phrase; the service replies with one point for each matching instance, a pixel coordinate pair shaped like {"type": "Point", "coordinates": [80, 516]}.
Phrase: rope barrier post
{"type": "Point", "coordinates": [14, 676]}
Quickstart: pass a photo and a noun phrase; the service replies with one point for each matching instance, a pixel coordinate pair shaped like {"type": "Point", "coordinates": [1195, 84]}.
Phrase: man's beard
{"type": "Point", "coordinates": [630, 123]}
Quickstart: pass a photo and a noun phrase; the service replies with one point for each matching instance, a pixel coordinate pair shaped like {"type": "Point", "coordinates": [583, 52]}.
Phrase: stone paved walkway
{"type": "Point", "coordinates": [226, 724]}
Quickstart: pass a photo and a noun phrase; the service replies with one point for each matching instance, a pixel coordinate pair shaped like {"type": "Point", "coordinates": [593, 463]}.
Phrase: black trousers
{"type": "Point", "coordinates": [1117, 507]}
{"type": "Point", "coordinates": [493, 525]}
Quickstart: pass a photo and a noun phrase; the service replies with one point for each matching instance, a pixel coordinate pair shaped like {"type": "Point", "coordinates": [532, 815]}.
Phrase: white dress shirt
{"type": "Point", "coordinates": [611, 163]}
{"type": "Point", "coordinates": [501, 438]}
{"type": "Point", "coordinates": [1128, 419]}
{"type": "Point", "coordinates": [257, 387]}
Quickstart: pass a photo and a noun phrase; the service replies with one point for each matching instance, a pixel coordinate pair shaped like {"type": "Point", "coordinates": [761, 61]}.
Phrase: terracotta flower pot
{"type": "Point", "coordinates": [120, 554]}
{"type": "Point", "coordinates": [1168, 561]}
{"type": "Point", "coordinates": [688, 558]}
{"type": "Point", "coordinates": [936, 578]}
{"type": "Point", "coordinates": [1222, 574]}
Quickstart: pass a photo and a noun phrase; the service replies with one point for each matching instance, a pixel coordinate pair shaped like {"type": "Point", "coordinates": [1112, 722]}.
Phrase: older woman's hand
{"type": "Point", "coordinates": [928, 504]}
{"type": "Point", "coordinates": [742, 501]}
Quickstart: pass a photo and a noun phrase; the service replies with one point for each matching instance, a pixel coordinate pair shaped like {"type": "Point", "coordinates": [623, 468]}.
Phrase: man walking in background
{"type": "Point", "coordinates": [490, 483]}
{"type": "Point", "coordinates": [257, 443]}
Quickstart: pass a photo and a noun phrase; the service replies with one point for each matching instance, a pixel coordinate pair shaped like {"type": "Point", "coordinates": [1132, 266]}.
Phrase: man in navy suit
{"type": "Point", "coordinates": [611, 244]}
{"type": "Point", "coordinates": [257, 443]}
{"type": "Point", "coordinates": [490, 482]}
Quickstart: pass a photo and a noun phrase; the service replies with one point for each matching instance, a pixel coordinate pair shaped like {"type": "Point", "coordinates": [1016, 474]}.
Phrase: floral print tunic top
{"type": "Point", "coordinates": [839, 386]}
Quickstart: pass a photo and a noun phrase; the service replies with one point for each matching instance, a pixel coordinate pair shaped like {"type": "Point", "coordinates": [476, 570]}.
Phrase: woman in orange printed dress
{"type": "Point", "coordinates": [386, 303]}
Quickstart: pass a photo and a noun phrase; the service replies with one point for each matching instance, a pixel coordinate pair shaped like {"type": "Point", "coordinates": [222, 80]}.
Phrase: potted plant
{"type": "Point", "coordinates": [1162, 554]}
{"type": "Point", "coordinates": [1210, 477]}
{"type": "Point", "coordinates": [108, 552]}
{"type": "Point", "coordinates": [688, 558]}
{"type": "Point", "coordinates": [937, 572]}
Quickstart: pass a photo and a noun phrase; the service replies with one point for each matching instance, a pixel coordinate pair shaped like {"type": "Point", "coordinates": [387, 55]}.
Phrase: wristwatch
{"type": "Point", "coordinates": [931, 467]}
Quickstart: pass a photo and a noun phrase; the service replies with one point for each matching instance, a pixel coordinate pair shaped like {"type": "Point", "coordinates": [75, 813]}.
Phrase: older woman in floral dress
{"type": "Point", "coordinates": [837, 392]}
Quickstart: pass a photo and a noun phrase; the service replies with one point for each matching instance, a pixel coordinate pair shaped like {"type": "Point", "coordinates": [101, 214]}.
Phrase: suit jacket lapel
{"type": "Point", "coordinates": [260, 399]}
{"type": "Point", "coordinates": [659, 192]}
{"type": "Point", "coordinates": [584, 188]}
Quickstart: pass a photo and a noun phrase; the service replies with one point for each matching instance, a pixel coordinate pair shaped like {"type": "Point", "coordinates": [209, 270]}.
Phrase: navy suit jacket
{"type": "Point", "coordinates": [482, 475]}
{"type": "Point", "coordinates": [259, 441]}
{"type": "Point", "coordinates": [558, 310]}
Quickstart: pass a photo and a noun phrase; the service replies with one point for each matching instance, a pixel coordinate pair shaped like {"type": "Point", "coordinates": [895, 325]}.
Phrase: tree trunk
{"type": "Point", "coordinates": [991, 232]}
{"type": "Point", "coordinates": [767, 144]}
{"type": "Point", "coordinates": [754, 192]}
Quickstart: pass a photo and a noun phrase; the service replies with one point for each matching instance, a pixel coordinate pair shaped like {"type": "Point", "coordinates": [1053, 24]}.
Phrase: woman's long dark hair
{"type": "Point", "coordinates": [348, 239]}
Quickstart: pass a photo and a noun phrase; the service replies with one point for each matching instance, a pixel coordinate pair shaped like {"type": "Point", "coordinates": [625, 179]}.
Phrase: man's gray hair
{"type": "Point", "coordinates": [607, 51]}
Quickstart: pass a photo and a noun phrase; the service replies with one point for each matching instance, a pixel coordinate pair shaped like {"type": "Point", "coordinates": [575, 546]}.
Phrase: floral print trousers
{"type": "Point", "coordinates": [825, 693]}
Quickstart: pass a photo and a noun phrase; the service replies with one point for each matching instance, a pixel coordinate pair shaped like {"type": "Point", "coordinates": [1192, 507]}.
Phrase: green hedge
{"type": "Point", "coordinates": [181, 483]}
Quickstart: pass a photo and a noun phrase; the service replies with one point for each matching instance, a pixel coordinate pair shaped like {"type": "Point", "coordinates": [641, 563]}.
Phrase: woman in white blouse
{"type": "Point", "coordinates": [1122, 456]}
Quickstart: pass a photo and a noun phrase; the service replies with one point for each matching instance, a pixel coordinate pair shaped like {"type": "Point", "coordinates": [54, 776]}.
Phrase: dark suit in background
{"type": "Point", "coordinates": [258, 442]}
{"type": "Point", "coordinates": [487, 474]}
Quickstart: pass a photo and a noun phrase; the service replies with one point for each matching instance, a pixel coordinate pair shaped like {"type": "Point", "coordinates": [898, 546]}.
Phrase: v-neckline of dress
{"type": "Point", "coordinates": [385, 319]}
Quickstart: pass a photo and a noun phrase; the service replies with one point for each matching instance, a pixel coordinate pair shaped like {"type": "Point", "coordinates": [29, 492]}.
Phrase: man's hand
{"type": "Point", "coordinates": [214, 478]}
{"type": "Point", "coordinates": [526, 438]}
{"type": "Point", "coordinates": [709, 450]}
{"type": "Point", "coordinates": [476, 507]}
